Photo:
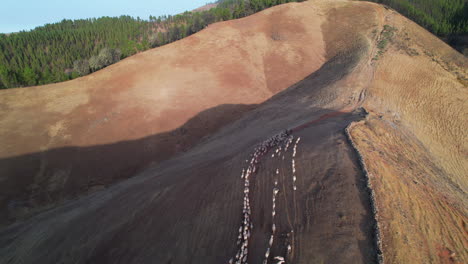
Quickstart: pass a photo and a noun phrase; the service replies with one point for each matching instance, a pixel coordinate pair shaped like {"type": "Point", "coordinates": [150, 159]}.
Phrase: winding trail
{"type": "Point", "coordinates": [324, 117]}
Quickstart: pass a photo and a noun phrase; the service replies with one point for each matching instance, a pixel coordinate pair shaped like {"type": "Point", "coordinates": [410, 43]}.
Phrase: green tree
{"type": "Point", "coordinates": [29, 76]}
{"type": "Point", "coordinates": [105, 57]}
{"type": "Point", "coordinates": [81, 67]}
{"type": "Point", "coordinates": [94, 63]}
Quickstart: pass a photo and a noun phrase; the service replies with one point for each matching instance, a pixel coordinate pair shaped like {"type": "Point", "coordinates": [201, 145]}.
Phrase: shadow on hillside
{"type": "Point", "coordinates": [31, 182]}
{"type": "Point", "coordinates": [35, 181]}
{"type": "Point", "coordinates": [165, 223]}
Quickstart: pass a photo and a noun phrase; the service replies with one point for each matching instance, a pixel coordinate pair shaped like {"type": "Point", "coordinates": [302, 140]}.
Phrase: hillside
{"type": "Point", "coordinates": [147, 98]}
{"type": "Point", "coordinates": [317, 132]}
{"type": "Point", "coordinates": [72, 48]}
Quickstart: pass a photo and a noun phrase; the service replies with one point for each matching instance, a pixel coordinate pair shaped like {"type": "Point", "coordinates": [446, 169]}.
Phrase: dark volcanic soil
{"type": "Point", "coordinates": [189, 209]}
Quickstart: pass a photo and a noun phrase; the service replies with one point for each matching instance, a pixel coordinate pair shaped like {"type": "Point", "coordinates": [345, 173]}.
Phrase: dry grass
{"type": "Point", "coordinates": [415, 146]}
{"type": "Point", "coordinates": [426, 98]}
{"type": "Point", "coordinates": [420, 215]}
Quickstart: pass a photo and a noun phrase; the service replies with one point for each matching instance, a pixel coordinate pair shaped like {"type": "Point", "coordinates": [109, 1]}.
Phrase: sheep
{"type": "Point", "coordinates": [247, 225]}
{"type": "Point", "coordinates": [280, 262]}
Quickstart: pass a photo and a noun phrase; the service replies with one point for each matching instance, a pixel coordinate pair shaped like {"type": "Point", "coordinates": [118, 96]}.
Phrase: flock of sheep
{"type": "Point", "coordinates": [283, 139]}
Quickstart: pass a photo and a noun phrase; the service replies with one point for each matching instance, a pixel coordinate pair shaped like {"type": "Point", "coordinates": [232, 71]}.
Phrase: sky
{"type": "Point", "coordinates": [17, 15]}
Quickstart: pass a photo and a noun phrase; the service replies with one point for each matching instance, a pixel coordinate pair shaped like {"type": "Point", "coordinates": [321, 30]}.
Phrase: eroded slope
{"type": "Point", "coordinates": [311, 202]}
{"type": "Point", "coordinates": [188, 209]}
{"type": "Point", "coordinates": [62, 140]}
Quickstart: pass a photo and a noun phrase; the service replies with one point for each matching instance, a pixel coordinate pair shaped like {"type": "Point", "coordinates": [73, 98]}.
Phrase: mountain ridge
{"type": "Point", "coordinates": [358, 101]}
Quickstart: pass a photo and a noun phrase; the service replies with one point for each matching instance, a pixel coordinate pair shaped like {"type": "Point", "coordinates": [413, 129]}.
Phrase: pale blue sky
{"type": "Point", "coordinates": [16, 15]}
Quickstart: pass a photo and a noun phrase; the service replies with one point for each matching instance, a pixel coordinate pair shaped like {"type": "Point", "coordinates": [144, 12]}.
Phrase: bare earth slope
{"type": "Point", "coordinates": [368, 164]}
{"type": "Point", "coordinates": [46, 132]}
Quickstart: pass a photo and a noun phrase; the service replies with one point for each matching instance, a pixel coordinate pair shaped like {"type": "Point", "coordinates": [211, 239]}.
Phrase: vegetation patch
{"type": "Point", "coordinates": [447, 19]}
{"type": "Point", "coordinates": [441, 17]}
{"type": "Point", "coordinates": [386, 36]}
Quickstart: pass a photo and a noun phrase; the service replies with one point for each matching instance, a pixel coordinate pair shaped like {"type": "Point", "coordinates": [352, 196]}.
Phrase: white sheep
{"type": "Point", "coordinates": [280, 260]}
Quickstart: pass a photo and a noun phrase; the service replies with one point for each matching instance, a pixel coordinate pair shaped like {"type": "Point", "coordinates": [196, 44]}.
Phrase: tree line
{"type": "Point", "coordinates": [71, 48]}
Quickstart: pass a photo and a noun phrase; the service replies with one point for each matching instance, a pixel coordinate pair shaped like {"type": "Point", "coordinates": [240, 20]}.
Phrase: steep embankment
{"type": "Point", "coordinates": [70, 138]}
{"type": "Point", "coordinates": [414, 143]}
{"type": "Point", "coordinates": [279, 179]}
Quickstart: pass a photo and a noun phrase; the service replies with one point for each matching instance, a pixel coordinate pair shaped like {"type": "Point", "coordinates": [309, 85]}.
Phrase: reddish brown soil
{"type": "Point", "coordinates": [184, 128]}
{"type": "Point", "coordinates": [188, 209]}
{"type": "Point", "coordinates": [46, 157]}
